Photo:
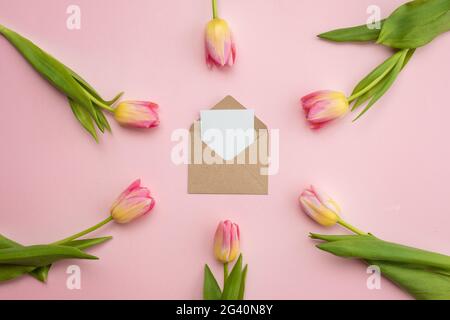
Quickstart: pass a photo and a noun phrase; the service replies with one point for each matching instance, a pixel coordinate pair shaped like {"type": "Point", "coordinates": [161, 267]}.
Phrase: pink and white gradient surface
{"type": "Point", "coordinates": [389, 171]}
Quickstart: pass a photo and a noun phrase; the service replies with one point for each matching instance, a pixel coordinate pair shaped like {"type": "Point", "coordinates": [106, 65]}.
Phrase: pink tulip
{"type": "Point", "coordinates": [324, 106]}
{"type": "Point", "coordinates": [320, 207]}
{"type": "Point", "coordinates": [227, 241]}
{"type": "Point", "coordinates": [137, 114]}
{"type": "Point", "coordinates": [134, 202]}
{"type": "Point", "coordinates": [219, 44]}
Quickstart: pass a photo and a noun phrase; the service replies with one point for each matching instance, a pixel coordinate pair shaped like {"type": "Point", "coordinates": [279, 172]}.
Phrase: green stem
{"type": "Point", "coordinates": [84, 232]}
{"type": "Point", "coordinates": [214, 8]}
{"type": "Point", "coordinates": [225, 272]}
{"type": "Point", "coordinates": [377, 80]}
{"type": "Point", "coordinates": [351, 228]}
{"type": "Point", "coordinates": [98, 102]}
{"type": "Point", "coordinates": [370, 86]}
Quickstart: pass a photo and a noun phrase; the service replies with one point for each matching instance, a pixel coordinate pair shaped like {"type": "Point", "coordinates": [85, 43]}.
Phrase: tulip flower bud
{"type": "Point", "coordinates": [320, 207]}
{"type": "Point", "coordinates": [134, 202]}
{"type": "Point", "coordinates": [324, 106]}
{"type": "Point", "coordinates": [219, 44]}
{"type": "Point", "coordinates": [226, 241]}
{"type": "Point", "coordinates": [137, 114]}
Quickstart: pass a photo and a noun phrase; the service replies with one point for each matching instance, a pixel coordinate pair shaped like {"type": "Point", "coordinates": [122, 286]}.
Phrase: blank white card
{"type": "Point", "coordinates": [228, 132]}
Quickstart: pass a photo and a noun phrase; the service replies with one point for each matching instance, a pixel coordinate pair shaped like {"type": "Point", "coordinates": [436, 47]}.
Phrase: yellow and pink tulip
{"type": "Point", "coordinates": [227, 241]}
{"type": "Point", "coordinates": [322, 107]}
{"type": "Point", "coordinates": [226, 250]}
{"type": "Point", "coordinates": [219, 44]}
{"type": "Point", "coordinates": [220, 49]}
{"type": "Point", "coordinates": [134, 202]}
{"type": "Point", "coordinates": [320, 207]}
{"type": "Point", "coordinates": [323, 209]}
{"type": "Point", "coordinates": [137, 114]}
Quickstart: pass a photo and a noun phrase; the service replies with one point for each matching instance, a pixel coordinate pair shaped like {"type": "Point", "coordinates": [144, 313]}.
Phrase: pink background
{"type": "Point", "coordinates": [389, 171]}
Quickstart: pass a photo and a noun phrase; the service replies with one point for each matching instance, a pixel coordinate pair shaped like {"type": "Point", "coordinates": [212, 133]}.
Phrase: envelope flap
{"type": "Point", "coordinates": [228, 103]}
{"type": "Point", "coordinates": [231, 103]}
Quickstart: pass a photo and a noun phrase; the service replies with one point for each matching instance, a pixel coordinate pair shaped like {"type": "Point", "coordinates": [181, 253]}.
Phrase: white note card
{"type": "Point", "coordinates": [228, 132]}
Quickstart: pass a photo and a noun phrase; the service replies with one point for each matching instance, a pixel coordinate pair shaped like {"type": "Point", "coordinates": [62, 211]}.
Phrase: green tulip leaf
{"type": "Point", "coordinates": [50, 68]}
{"type": "Point", "coordinates": [82, 96]}
{"type": "Point", "coordinates": [91, 90]}
{"type": "Point", "coordinates": [378, 74]}
{"type": "Point", "coordinates": [233, 282]}
{"type": "Point", "coordinates": [211, 289]}
{"type": "Point", "coordinates": [242, 286]}
{"type": "Point", "coordinates": [408, 57]}
{"type": "Point", "coordinates": [102, 123]}
{"type": "Point", "coordinates": [369, 94]}
{"type": "Point", "coordinates": [40, 255]}
{"type": "Point", "coordinates": [416, 24]}
{"type": "Point", "coordinates": [7, 243]}
{"type": "Point", "coordinates": [390, 78]}
{"type": "Point", "coordinates": [84, 244]}
{"type": "Point", "coordinates": [41, 273]}
{"type": "Point", "coordinates": [84, 117]}
{"type": "Point", "coordinates": [423, 274]}
{"type": "Point", "coordinates": [115, 99]}
{"type": "Point", "coordinates": [360, 33]}
{"type": "Point", "coordinates": [331, 238]}
{"type": "Point", "coordinates": [422, 284]}
{"type": "Point", "coordinates": [366, 96]}
{"type": "Point", "coordinates": [8, 272]}
{"type": "Point", "coordinates": [86, 86]}
{"type": "Point", "coordinates": [386, 251]}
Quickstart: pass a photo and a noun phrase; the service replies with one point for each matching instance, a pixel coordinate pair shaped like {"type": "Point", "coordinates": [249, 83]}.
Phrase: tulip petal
{"type": "Point", "coordinates": [138, 114]}
{"type": "Point", "coordinates": [220, 49]}
{"type": "Point", "coordinates": [134, 202]}
{"type": "Point", "coordinates": [227, 241]}
{"type": "Point", "coordinates": [320, 207]}
{"type": "Point", "coordinates": [321, 107]}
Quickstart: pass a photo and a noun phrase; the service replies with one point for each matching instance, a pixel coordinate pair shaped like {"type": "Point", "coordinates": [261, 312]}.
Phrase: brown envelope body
{"type": "Point", "coordinates": [226, 178]}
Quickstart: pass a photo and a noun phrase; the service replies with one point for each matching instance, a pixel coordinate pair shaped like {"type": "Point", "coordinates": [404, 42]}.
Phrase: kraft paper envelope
{"type": "Point", "coordinates": [229, 176]}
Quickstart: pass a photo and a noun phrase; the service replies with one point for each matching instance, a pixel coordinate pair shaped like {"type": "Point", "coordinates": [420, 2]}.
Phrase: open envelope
{"type": "Point", "coordinates": [231, 176]}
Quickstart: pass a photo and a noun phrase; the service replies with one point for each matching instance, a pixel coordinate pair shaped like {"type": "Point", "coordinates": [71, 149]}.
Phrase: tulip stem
{"type": "Point", "coordinates": [351, 228]}
{"type": "Point", "coordinates": [365, 89]}
{"type": "Point", "coordinates": [84, 232]}
{"type": "Point", "coordinates": [214, 8]}
{"type": "Point", "coordinates": [401, 59]}
{"type": "Point", "coordinates": [98, 102]}
{"type": "Point", "coordinates": [369, 86]}
{"type": "Point", "coordinates": [225, 272]}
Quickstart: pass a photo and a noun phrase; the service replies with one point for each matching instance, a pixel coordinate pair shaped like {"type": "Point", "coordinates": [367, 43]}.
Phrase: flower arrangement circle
{"type": "Point", "coordinates": [36, 260]}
